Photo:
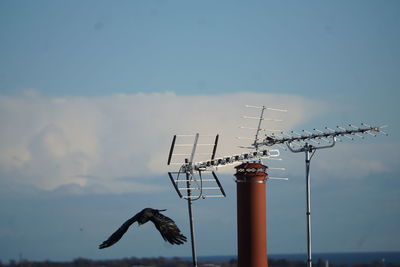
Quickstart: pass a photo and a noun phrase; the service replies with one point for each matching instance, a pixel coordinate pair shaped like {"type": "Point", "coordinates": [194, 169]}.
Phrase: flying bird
{"type": "Point", "coordinates": [166, 226]}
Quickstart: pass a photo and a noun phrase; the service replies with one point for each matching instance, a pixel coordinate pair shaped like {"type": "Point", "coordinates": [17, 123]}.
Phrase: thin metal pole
{"type": "Point", "coordinates": [192, 236]}
{"type": "Point", "coordinates": [191, 220]}
{"type": "Point", "coordinates": [258, 128]}
{"type": "Point", "coordinates": [307, 151]}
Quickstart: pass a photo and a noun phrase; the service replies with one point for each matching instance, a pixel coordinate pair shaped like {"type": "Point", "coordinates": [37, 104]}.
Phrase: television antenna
{"type": "Point", "coordinates": [192, 186]}
{"type": "Point", "coordinates": [297, 142]}
{"type": "Point", "coordinates": [192, 180]}
{"type": "Point", "coordinates": [258, 131]}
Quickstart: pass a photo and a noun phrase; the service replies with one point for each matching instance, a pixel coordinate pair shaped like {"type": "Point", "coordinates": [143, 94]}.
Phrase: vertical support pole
{"type": "Point", "coordinates": [192, 235]}
{"type": "Point", "coordinates": [251, 215]}
{"type": "Point", "coordinates": [189, 177]}
{"type": "Point", "coordinates": [308, 150]}
{"type": "Point", "coordinates": [191, 220]}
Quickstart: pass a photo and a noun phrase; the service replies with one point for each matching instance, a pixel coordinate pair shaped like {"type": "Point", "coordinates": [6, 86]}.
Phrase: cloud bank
{"type": "Point", "coordinates": [117, 143]}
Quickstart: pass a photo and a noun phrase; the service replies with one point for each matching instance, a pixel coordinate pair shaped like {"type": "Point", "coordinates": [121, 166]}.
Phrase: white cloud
{"type": "Point", "coordinates": [358, 160]}
{"type": "Point", "coordinates": [51, 142]}
{"type": "Point", "coordinates": [344, 161]}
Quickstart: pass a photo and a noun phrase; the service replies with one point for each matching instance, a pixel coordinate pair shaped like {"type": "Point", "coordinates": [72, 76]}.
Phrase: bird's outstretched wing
{"type": "Point", "coordinates": [116, 236]}
{"type": "Point", "coordinates": [168, 229]}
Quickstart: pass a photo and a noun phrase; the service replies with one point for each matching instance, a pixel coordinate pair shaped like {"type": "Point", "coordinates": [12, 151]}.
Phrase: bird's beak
{"type": "Point", "coordinates": [162, 210]}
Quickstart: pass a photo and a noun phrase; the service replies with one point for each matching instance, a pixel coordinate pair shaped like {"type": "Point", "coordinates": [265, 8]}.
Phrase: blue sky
{"type": "Point", "coordinates": [91, 93]}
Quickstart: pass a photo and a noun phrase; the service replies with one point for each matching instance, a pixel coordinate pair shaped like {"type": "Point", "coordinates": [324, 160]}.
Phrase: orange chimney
{"type": "Point", "coordinates": [251, 214]}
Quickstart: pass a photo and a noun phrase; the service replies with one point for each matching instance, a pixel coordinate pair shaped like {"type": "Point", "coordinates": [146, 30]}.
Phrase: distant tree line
{"type": "Point", "coordinates": [173, 262]}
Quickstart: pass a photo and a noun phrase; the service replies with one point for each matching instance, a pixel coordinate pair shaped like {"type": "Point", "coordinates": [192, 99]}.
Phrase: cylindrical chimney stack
{"type": "Point", "coordinates": [251, 215]}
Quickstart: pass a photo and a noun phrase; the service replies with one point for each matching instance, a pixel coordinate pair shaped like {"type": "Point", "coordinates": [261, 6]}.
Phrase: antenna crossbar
{"type": "Point", "coordinates": [272, 140]}
{"type": "Point", "coordinates": [198, 188]}
{"type": "Point", "coordinates": [204, 165]}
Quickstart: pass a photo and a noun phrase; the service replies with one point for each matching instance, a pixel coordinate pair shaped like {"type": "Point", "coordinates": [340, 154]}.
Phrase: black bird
{"type": "Point", "coordinates": [166, 226]}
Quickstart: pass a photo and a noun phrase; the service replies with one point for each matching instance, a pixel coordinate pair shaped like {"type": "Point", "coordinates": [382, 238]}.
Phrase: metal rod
{"type": "Point", "coordinates": [215, 147]}
{"type": "Point", "coordinates": [308, 150]}
{"type": "Point", "coordinates": [171, 150]}
{"type": "Point", "coordinates": [191, 219]}
{"type": "Point", "coordinates": [279, 169]}
{"type": "Point", "coordinates": [258, 127]}
{"type": "Point", "coordinates": [252, 106]}
{"type": "Point", "coordinates": [198, 188]}
{"type": "Point", "coordinates": [276, 109]}
{"type": "Point", "coordinates": [174, 184]}
{"type": "Point", "coordinates": [278, 178]}
{"type": "Point", "coordinates": [219, 184]}
{"type": "Point", "coordinates": [202, 196]}
{"type": "Point", "coordinates": [273, 140]}
{"type": "Point", "coordinates": [271, 119]}
{"type": "Point", "coordinates": [196, 138]}
{"type": "Point", "coordinates": [204, 180]}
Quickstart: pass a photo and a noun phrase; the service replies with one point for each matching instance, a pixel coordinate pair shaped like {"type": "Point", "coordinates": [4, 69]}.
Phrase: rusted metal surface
{"type": "Point", "coordinates": [251, 215]}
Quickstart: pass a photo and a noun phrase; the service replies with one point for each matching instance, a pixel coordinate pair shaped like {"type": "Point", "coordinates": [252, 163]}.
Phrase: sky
{"type": "Point", "coordinates": [92, 92]}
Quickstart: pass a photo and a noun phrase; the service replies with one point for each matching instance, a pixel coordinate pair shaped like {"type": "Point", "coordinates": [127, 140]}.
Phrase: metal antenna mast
{"type": "Point", "coordinates": [191, 183]}
{"type": "Point", "coordinates": [309, 151]}
{"type": "Point", "coordinates": [189, 175]}
{"type": "Point", "coordinates": [303, 145]}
